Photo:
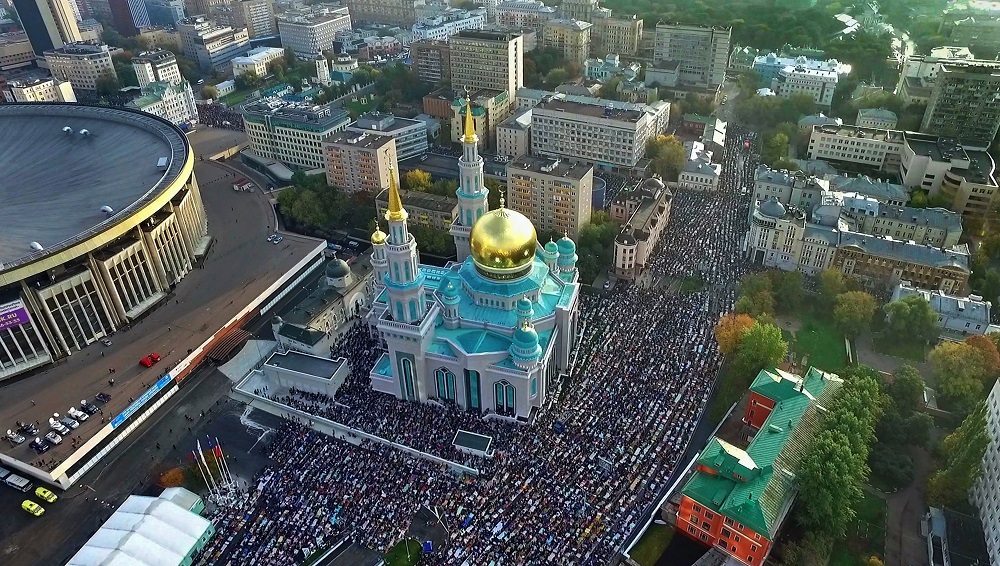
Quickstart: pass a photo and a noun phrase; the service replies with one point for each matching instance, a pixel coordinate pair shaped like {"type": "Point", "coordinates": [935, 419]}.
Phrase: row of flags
{"type": "Point", "coordinates": [225, 479]}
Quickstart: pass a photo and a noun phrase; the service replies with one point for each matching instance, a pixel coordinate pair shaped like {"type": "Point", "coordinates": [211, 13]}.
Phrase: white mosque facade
{"type": "Point", "coordinates": [489, 332]}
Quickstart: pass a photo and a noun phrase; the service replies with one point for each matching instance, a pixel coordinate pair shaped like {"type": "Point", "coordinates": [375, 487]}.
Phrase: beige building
{"type": "Point", "coordinates": [257, 60]}
{"type": "Point", "coordinates": [555, 195]}
{"type": "Point", "coordinates": [487, 60]}
{"type": "Point", "coordinates": [618, 35]}
{"type": "Point", "coordinates": [433, 211]}
{"type": "Point", "coordinates": [156, 66]}
{"type": "Point", "coordinates": [257, 16]}
{"type": "Point", "coordinates": [873, 147]}
{"type": "Point", "coordinates": [571, 37]}
{"type": "Point", "coordinates": [517, 14]}
{"type": "Point", "coordinates": [489, 109]}
{"type": "Point", "coordinates": [359, 162]}
{"type": "Point", "coordinates": [49, 24]}
{"type": "Point", "coordinates": [211, 45]}
{"type": "Point", "coordinates": [514, 134]}
{"type": "Point", "coordinates": [292, 132]}
{"type": "Point", "coordinates": [310, 31]}
{"type": "Point", "coordinates": [43, 90]}
{"type": "Point", "coordinates": [396, 12]}
{"type": "Point", "coordinates": [431, 60]}
{"type": "Point", "coordinates": [15, 52]}
{"type": "Point", "coordinates": [643, 213]}
{"type": "Point", "coordinates": [702, 52]}
{"type": "Point", "coordinates": [82, 64]}
{"type": "Point", "coordinates": [172, 102]}
{"type": "Point", "coordinates": [582, 10]}
{"type": "Point", "coordinates": [964, 174]}
{"type": "Point", "coordinates": [877, 118]}
{"type": "Point", "coordinates": [699, 173]}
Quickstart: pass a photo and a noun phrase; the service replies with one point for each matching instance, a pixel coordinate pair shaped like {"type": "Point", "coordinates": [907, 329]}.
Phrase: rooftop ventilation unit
{"type": "Point", "coordinates": [36, 246]}
{"type": "Point", "coordinates": [67, 129]}
{"type": "Point", "coordinates": [84, 132]}
{"type": "Point", "coordinates": [107, 209]}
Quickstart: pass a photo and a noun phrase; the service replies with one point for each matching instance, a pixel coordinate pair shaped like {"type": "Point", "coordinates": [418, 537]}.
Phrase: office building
{"type": "Point", "coordinates": [82, 64]}
{"type": "Point", "coordinates": [554, 194]}
{"type": "Point", "coordinates": [128, 16]}
{"type": "Point", "coordinates": [581, 10]}
{"type": "Point", "coordinates": [164, 12]}
{"type": "Point", "coordinates": [699, 173]}
{"type": "Point", "coordinates": [394, 12]}
{"type": "Point", "coordinates": [963, 173]}
{"type": "Point", "coordinates": [49, 24]}
{"type": "Point", "coordinates": [919, 72]}
{"type": "Point", "coordinates": [425, 209]}
{"type": "Point", "coordinates": [173, 102]}
{"type": "Point", "coordinates": [965, 101]}
{"type": "Point", "coordinates": [431, 60]}
{"type": "Point", "coordinates": [611, 66]}
{"type": "Point", "coordinates": [292, 132]}
{"type": "Point", "coordinates": [986, 492]}
{"type": "Point", "coordinates": [570, 37]}
{"type": "Point", "coordinates": [359, 161]}
{"type": "Point", "coordinates": [768, 67]}
{"type": "Point", "coordinates": [530, 14]}
{"type": "Point", "coordinates": [311, 31]}
{"type": "Point", "coordinates": [514, 134]}
{"type": "Point", "coordinates": [445, 24]}
{"type": "Point", "coordinates": [410, 135]}
{"type": "Point", "coordinates": [702, 52]}
{"type": "Point", "coordinates": [609, 135]}
{"type": "Point", "coordinates": [818, 84]}
{"type": "Point", "coordinates": [877, 118]}
{"type": "Point", "coordinates": [211, 45]}
{"type": "Point", "coordinates": [880, 149]}
{"type": "Point", "coordinates": [42, 90]}
{"type": "Point", "coordinates": [643, 212]}
{"type": "Point", "coordinates": [15, 52]}
{"type": "Point", "coordinates": [957, 316]}
{"type": "Point", "coordinates": [744, 483]}
{"type": "Point", "coordinates": [487, 60]}
{"type": "Point", "coordinates": [619, 35]}
{"type": "Point", "coordinates": [156, 66]}
{"type": "Point", "coordinates": [881, 263]}
{"type": "Point", "coordinates": [257, 16]}
{"type": "Point", "coordinates": [257, 60]}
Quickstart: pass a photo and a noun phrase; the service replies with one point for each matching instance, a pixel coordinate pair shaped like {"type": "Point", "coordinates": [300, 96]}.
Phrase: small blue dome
{"type": "Point", "coordinates": [525, 338]}
{"type": "Point", "coordinates": [566, 246]}
{"type": "Point", "coordinates": [450, 291]}
{"type": "Point", "coordinates": [551, 247]}
{"type": "Point", "coordinates": [524, 304]}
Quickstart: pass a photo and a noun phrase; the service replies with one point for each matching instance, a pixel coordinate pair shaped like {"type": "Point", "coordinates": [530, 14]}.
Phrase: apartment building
{"type": "Point", "coordinates": [699, 173]}
{"type": "Point", "coordinates": [431, 59]}
{"type": "Point", "coordinates": [211, 45]}
{"type": "Point", "coordinates": [619, 35]}
{"type": "Point", "coordinates": [582, 10]}
{"type": "Point", "coordinates": [49, 24]}
{"type": "Point", "coordinates": [158, 65]}
{"type": "Point", "coordinates": [15, 52]}
{"type": "Point", "coordinates": [257, 16]}
{"type": "Point", "coordinates": [173, 102]}
{"type": "Point", "coordinates": [514, 134]}
{"type": "Point", "coordinates": [128, 16]}
{"type": "Point", "coordinates": [702, 52]}
{"type": "Point", "coordinates": [292, 132]}
{"type": "Point", "coordinates": [643, 212]}
{"type": "Point", "coordinates": [919, 72]}
{"type": "Point", "coordinates": [789, 188]}
{"type": "Point", "coordinates": [981, 33]}
{"type": "Point", "coordinates": [768, 67]}
{"type": "Point", "coordinates": [570, 37]}
{"type": "Point", "coordinates": [489, 109]}
{"type": "Point", "coordinates": [42, 90]}
{"type": "Point", "coordinates": [965, 101]}
{"type": "Point", "coordinates": [446, 24]}
{"type": "Point", "coordinates": [433, 211]}
{"type": "Point", "coordinates": [257, 61]}
{"type": "Point", "coordinates": [395, 12]}
{"type": "Point", "coordinates": [308, 32]}
{"type": "Point", "coordinates": [554, 194]}
{"type": "Point", "coordinates": [818, 84]}
{"type": "Point", "coordinates": [410, 135]}
{"type": "Point", "coordinates": [956, 315]}
{"type": "Point", "coordinates": [937, 227]}
{"type": "Point", "coordinates": [881, 149]}
{"type": "Point", "coordinates": [489, 60]}
{"type": "Point", "coordinates": [82, 64]}
{"type": "Point", "coordinates": [359, 162]}
{"type": "Point", "coordinates": [518, 14]}
{"type": "Point", "coordinates": [877, 118]}
{"type": "Point", "coordinates": [609, 135]}
{"type": "Point", "coordinates": [986, 492]}
{"type": "Point", "coordinates": [964, 174]}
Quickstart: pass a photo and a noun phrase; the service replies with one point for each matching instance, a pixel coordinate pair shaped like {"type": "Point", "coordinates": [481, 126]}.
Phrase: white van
{"type": "Point", "coordinates": [18, 483]}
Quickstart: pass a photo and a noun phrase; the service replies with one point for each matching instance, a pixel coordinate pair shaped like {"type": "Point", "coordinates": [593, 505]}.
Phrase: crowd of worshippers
{"type": "Point", "coordinates": [219, 116]}
{"type": "Point", "coordinates": [569, 494]}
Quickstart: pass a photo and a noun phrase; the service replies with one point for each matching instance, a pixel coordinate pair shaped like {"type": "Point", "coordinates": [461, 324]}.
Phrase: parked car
{"type": "Point", "coordinates": [58, 427]}
{"type": "Point", "coordinates": [102, 397]}
{"type": "Point", "coordinates": [277, 240]}
{"type": "Point", "coordinates": [70, 422]}
{"type": "Point", "coordinates": [77, 414]}
{"type": "Point", "coordinates": [14, 438]}
{"type": "Point", "coordinates": [150, 359]}
{"type": "Point", "coordinates": [53, 438]}
{"type": "Point", "coordinates": [39, 446]}
{"type": "Point", "coordinates": [106, 342]}
{"type": "Point", "coordinates": [27, 429]}
{"type": "Point", "coordinates": [88, 407]}
{"type": "Point", "coordinates": [33, 508]}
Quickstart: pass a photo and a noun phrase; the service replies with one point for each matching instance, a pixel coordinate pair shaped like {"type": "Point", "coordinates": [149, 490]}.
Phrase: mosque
{"type": "Point", "coordinates": [491, 331]}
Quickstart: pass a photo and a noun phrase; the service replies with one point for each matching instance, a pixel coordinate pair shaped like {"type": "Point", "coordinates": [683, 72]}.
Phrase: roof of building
{"type": "Point", "coordinates": [306, 363]}
{"type": "Point", "coordinates": [880, 190]}
{"type": "Point", "coordinates": [59, 202]}
{"type": "Point", "coordinates": [424, 201]}
{"type": "Point", "coordinates": [258, 55]}
{"type": "Point", "coordinates": [934, 217]}
{"type": "Point", "coordinates": [298, 115]}
{"type": "Point", "coordinates": [549, 166]}
{"type": "Point", "coordinates": [519, 120]}
{"type": "Point", "coordinates": [862, 132]}
{"type": "Point", "coordinates": [819, 120]}
{"type": "Point", "coordinates": [575, 25]}
{"type": "Point", "coordinates": [701, 166]}
{"type": "Point", "coordinates": [969, 308]}
{"type": "Point", "coordinates": [358, 139]}
{"type": "Point", "coordinates": [877, 114]}
{"type": "Point", "coordinates": [301, 335]}
{"type": "Point", "coordinates": [385, 122]}
{"type": "Point", "coordinates": [826, 234]}
{"type": "Point", "coordinates": [883, 246]}
{"type": "Point", "coordinates": [755, 486]}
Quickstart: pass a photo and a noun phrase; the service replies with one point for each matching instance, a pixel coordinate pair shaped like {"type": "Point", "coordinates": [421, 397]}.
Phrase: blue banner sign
{"type": "Point", "coordinates": [142, 400]}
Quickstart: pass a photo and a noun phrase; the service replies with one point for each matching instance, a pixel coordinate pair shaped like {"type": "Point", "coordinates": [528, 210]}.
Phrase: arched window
{"type": "Point", "coordinates": [408, 391]}
{"type": "Point", "coordinates": [445, 384]}
{"type": "Point", "coordinates": [472, 388]}
{"type": "Point", "coordinates": [413, 309]}
{"type": "Point", "coordinates": [406, 268]}
{"type": "Point", "coordinates": [399, 310]}
{"type": "Point", "coordinates": [506, 399]}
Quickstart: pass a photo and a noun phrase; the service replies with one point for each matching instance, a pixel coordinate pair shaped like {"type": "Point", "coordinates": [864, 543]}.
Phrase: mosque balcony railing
{"type": "Point", "coordinates": [425, 323]}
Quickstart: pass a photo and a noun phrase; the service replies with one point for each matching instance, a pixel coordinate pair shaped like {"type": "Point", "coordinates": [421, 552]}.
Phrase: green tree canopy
{"type": "Point", "coordinates": [907, 389]}
{"type": "Point", "coordinates": [963, 449]}
{"type": "Point", "coordinates": [853, 311]}
{"type": "Point", "coordinates": [959, 372]}
{"type": "Point", "coordinates": [763, 346]}
{"type": "Point", "coordinates": [912, 318]}
{"type": "Point", "coordinates": [667, 155]}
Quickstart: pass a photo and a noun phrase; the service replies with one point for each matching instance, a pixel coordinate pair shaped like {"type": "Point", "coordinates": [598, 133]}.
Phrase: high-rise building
{"type": "Point", "coordinates": [432, 60]}
{"type": "Point", "coordinates": [211, 45]}
{"type": "Point", "coordinates": [702, 52]}
{"type": "Point", "coordinates": [571, 37]}
{"type": "Point", "coordinates": [578, 9]}
{"type": "Point", "coordinates": [42, 90]}
{"type": "Point", "coordinates": [82, 64]}
{"type": "Point", "coordinates": [986, 493]}
{"type": "Point", "coordinates": [359, 161]}
{"type": "Point", "coordinates": [615, 35]}
{"type": "Point", "coordinates": [292, 132]}
{"type": "Point", "coordinates": [487, 60]}
{"type": "Point", "coordinates": [156, 66]}
{"type": "Point", "coordinates": [518, 14]}
{"type": "Point", "coordinates": [165, 12]}
{"type": "Point", "coordinates": [311, 31]}
{"type": "Point", "coordinates": [257, 16]}
{"type": "Point", "coordinates": [396, 12]}
{"type": "Point", "coordinates": [49, 24]}
{"type": "Point", "coordinates": [128, 16]}
{"type": "Point", "coordinates": [410, 135]}
{"type": "Point", "coordinates": [965, 101]}
{"type": "Point", "coordinates": [554, 194]}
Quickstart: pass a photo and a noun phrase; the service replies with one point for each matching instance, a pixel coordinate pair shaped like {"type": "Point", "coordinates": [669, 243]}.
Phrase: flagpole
{"type": "Point", "coordinates": [203, 477]}
{"type": "Point", "coordinates": [210, 476]}
{"type": "Point", "coordinates": [224, 462]}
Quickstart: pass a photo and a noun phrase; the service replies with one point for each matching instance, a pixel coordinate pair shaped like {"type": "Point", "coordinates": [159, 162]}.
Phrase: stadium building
{"type": "Point", "coordinates": [102, 217]}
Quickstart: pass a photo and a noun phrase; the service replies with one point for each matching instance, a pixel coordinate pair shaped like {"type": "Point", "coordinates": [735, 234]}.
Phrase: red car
{"type": "Point", "coordinates": [149, 360]}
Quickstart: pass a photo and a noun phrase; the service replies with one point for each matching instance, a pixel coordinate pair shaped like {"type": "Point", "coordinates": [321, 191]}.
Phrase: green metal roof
{"type": "Point", "coordinates": [756, 486]}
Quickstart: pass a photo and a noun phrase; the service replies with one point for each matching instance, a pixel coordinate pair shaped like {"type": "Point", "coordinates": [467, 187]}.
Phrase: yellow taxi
{"type": "Point", "coordinates": [45, 495]}
{"type": "Point", "coordinates": [33, 508]}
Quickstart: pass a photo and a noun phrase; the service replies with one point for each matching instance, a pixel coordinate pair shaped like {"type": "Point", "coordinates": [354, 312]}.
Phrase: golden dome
{"type": "Point", "coordinates": [378, 236]}
{"type": "Point", "coordinates": [503, 242]}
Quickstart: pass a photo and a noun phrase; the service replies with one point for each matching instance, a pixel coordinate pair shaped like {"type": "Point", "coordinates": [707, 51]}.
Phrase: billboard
{"type": "Point", "coordinates": [13, 314]}
{"type": "Point", "coordinates": [142, 400]}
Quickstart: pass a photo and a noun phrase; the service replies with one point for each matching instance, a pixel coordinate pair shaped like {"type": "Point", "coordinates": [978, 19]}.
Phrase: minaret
{"type": "Point", "coordinates": [380, 262]}
{"type": "Point", "coordinates": [404, 280]}
{"type": "Point", "coordinates": [472, 193]}
{"type": "Point", "coordinates": [323, 70]}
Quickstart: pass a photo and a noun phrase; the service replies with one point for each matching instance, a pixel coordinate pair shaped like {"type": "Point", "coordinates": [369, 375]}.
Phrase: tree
{"type": "Point", "coordinates": [209, 92]}
{"type": "Point", "coordinates": [667, 155]}
{"type": "Point", "coordinates": [788, 286]}
{"type": "Point", "coordinates": [988, 352]}
{"type": "Point", "coordinates": [831, 283]}
{"type": "Point", "coordinates": [964, 449]}
{"type": "Point", "coordinates": [762, 347]}
{"type": "Point", "coordinates": [289, 57]}
{"type": "Point", "coordinates": [609, 90]}
{"type": "Point", "coordinates": [775, 148]}
{"type": "Point", "coordinates": [107, 83]}
{"type": "Point", "coordinates": [829, 478]}
{"type": "Point", "coordinates": [729, 332]}
{"type": "Point", "coordinates": [906, 389]}
{"type": "Point", "coordinates": [853, 311]}
{"type": "Point", "coordinates": [249, 79]}
{"type": "Point", "coordinates": [891, 466]}
{"type": "Point", "coordinates": [416, 180]}
{"type": "Point", "coordinates": [912, 318]}
{"type": "Point", "coordinates": [556, 77]}
{"type": "Point", "coordinates": [759, 304]}
{"type": "Point", "coordinates": [959, 371]}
